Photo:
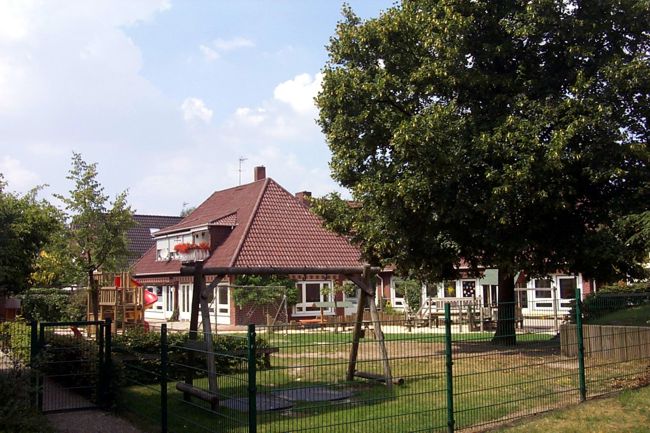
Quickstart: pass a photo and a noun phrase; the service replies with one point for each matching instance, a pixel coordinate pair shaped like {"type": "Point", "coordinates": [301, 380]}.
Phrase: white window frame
{"type": "Point", "coordinates": [300, 309]}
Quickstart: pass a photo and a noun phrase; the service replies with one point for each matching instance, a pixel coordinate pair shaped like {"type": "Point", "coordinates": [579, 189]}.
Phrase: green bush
{"type": "Point", "coordinates": [53, 305]}
{"type": "Point", "coordinates": [17, 413]}
{"type": "Point", "coordinates": [74, 363]}
{"type": "Point", "coordinates": [138, 351]}
{"type": "Point", "coordinates": [613, 298]}
{"type": "Point", "coordinates": [15, 341]}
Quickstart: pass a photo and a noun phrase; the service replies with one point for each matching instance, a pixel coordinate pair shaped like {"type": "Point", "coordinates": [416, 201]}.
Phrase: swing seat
{"type": "Point", "coordinates": [378, 377]}
{"type": "Point", "coordinates": [199, 393]}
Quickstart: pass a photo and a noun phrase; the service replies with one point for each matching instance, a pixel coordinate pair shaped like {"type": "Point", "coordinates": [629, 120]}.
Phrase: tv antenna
{"type": "Point", "coordinates": [241, 160]}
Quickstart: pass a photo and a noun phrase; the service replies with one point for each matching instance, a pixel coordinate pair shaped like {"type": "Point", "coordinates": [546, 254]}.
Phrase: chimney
{"type": "Point", "coordinates": [259, 173]}
{"type": "Point", "coordinates": [303, 196]}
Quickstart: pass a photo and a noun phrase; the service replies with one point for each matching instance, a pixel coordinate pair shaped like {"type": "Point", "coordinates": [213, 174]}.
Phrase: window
{"type": "Point", "coordinates": [490, 295]}
{"type": "Point", "coordinates": [469, 289]}
{"type": "Point", "coordinates": [567, 291]}
{"type": "Point", "coordinates": [310, 293]}
{"type": "Point", "coordinates": [543, 288]}
{"type": "Point", "coordinates": [567, 288]}
{"type": "Point", "coordinates": [449, 289]}
{"type": "Point", "coordinates": [222, 300]}
{"type": "Point", "coordinates": [185, 298]}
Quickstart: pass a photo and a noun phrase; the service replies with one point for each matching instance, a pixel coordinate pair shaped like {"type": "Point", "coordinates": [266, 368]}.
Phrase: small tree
{"type": "Point", "coordinates": [26, 226]}
{"type": "Point", "coordinates": [96, 228]}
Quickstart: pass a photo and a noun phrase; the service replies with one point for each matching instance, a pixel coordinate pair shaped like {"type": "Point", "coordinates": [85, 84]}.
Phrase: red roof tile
{"type": "Point", "coordinates": [285, 233]}
{"type": "Point", "coordinates": [270, 227]}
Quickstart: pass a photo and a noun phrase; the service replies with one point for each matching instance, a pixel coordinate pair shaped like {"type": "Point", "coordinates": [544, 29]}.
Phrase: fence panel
{"type": "Point", "coordinates": [304, 388]}
{"type": "Point", "coordinates": [295, 377]}
{"type": "Point", "coordinates": [15, 345]}
{"type": "Point", "coordinates": [616, 337]}
{"type": "Point", "coordinates": [170, 387]}
{"type": "Point", "coordinates": [512, 370]}
{"type": "Point", "coordinates": [70, 362]}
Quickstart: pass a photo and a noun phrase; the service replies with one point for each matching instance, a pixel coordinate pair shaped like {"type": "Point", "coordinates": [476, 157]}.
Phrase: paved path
{"type": "Point", "coordinates": [90, 421]}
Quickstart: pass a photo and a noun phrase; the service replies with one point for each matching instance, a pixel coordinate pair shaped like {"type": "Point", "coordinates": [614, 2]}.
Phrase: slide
{"type": "Point", "coordinates": [149, 300]}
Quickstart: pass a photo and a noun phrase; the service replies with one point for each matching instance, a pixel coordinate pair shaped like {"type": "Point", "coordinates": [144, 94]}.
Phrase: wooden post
{"type": "Point", "coordinates": [207, 335]}
{"type": "Point", "coordinates": [379, 336]}
{"type": "Point", "coordinates": [198, 284]}
{"type": "Point", "coordinates": [366, 285]}
{"type": "Point", "coordinates": [356, 333]}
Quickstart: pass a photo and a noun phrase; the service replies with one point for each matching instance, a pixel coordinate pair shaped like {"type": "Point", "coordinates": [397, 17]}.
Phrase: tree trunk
{"type": "Point", "coordinates": [505, 332]}
{"type": "Point", "coordinates": [94, 295]}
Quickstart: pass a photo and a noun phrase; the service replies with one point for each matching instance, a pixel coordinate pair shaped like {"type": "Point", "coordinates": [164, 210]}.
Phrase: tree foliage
{"type": "Point", "coordinates": [264, 290]}
{"type": "Point", "coordinates": [26, 226]}
{"type": "Point", "coordinates": [96, 227]}
{"type": "Point", "coordinates": [511, 134]}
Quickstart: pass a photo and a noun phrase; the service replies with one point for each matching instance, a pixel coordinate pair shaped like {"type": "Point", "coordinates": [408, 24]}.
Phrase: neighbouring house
{"type": "Point", "coordinates": [140, 236]}
{"type": "Point", "coordinates": [258, 224]}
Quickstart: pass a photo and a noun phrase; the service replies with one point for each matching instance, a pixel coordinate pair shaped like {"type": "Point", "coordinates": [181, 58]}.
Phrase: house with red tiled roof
{"type": "Point", "coordinates": [256, 225]}
{"type": "Point", "coordinates": [140, 236]}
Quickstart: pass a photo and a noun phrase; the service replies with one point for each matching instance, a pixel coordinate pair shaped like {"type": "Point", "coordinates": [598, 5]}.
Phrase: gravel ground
{"type": "Point", "coordinates": [91, 421]}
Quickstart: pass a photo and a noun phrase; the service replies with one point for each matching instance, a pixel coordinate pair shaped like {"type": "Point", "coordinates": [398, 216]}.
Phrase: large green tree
{"type": "Point", "coordinates": [96, 226]}
{"type": "Point", "coordinates": [26, 226]}
{"type": "Point", "coordinates": [511, 134]}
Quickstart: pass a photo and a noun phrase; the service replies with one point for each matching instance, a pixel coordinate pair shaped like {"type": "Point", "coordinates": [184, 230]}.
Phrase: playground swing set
{"type": "Point", "coordinates": [203, 294]}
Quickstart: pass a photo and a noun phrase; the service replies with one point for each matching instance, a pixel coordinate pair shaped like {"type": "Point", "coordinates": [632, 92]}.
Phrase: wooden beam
{"type": "Point", "coordinates": [368, 288]}
{"type": "Point", "coordinates": [356, 335]}
{"type": "Point", "coordinates": [198, 283]}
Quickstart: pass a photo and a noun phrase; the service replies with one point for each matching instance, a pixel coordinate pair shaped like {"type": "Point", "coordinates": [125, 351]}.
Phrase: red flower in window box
{"type": "Point", "coordinates": [182, 248]}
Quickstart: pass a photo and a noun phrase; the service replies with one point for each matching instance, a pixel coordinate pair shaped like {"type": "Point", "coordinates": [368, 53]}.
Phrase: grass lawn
{"type": "Point", "coordinates": [634, 316]}
{"type": "Point", "coordinates": [491, 383]}
{"type": "Point", "coordinates": [628, 412]}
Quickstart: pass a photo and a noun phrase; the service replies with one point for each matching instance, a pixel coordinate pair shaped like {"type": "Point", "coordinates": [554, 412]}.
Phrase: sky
{"type": "Point", "coordinates": [165, 95]}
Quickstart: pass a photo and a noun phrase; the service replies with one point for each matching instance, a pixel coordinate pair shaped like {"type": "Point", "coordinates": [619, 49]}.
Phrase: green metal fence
{"type": "Point", "coordinates": [448, 374]}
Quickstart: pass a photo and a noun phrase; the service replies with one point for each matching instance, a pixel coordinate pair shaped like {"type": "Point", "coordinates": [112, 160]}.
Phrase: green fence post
{"type": "Point", "coordinates": [163, 377]}
{"type": "Point", "coordinates": [108, 370]}
{"type": "Point", "coordinates": [581, 348]}
{"type": "Point", "coordinates": [252, 380]}
{"type": "Point", "coordinates": [40, 345]}
{"type": "Point", "coordinates": [449, 367]}
{"type": "Point", "coordinates": [100, 331]}
{"type": "Point", "coordinates": [33, 354]}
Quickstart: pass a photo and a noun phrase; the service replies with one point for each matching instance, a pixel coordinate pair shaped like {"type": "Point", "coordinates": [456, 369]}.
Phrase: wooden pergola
{"type": "Point", "coordinates": [362, 276]}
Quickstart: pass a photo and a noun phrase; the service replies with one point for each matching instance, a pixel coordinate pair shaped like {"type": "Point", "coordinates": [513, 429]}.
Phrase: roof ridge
{"type": "Point", "coordinates": [244, 236]}
{"type": "Point", "coordinates": [156, 216]}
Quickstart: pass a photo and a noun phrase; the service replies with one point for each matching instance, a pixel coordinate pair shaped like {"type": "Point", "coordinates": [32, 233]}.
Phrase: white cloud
{"type": "Point", "coordinates": [18, 177]}
{"type": "Point", "coordinates": [195, 109]}
{"type": "Point", "coordinates": [251, 116]}
{"type": "Point", "coordinates": [219, 46]}
{"type": "Point", "coordinates": [208, 53]}
{"type": "Point", "coordinates": [300, 92]}
{"type": "Point", "coordinates": [232, 44]}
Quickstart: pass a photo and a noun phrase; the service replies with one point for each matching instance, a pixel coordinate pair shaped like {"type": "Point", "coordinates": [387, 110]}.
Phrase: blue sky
{"type": "Point", "coordinates": [165, 95]}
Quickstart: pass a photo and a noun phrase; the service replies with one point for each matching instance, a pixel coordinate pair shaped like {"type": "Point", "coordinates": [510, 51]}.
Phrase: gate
{"type": "Point", "coordinates": [73, 364]}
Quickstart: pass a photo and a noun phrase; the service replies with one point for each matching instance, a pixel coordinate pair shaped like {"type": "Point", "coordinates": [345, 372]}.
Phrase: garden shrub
{"type": "Point", "coordinates": [53, 305]}
{"type": "Point", "coordinates": [612, 298]}
{"type": "Point", "coordinates": [15, 341]}
{"type": "Point", "coordinates": [17, 413]}
{"type": "Point", "coordinates": [140, 353]}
